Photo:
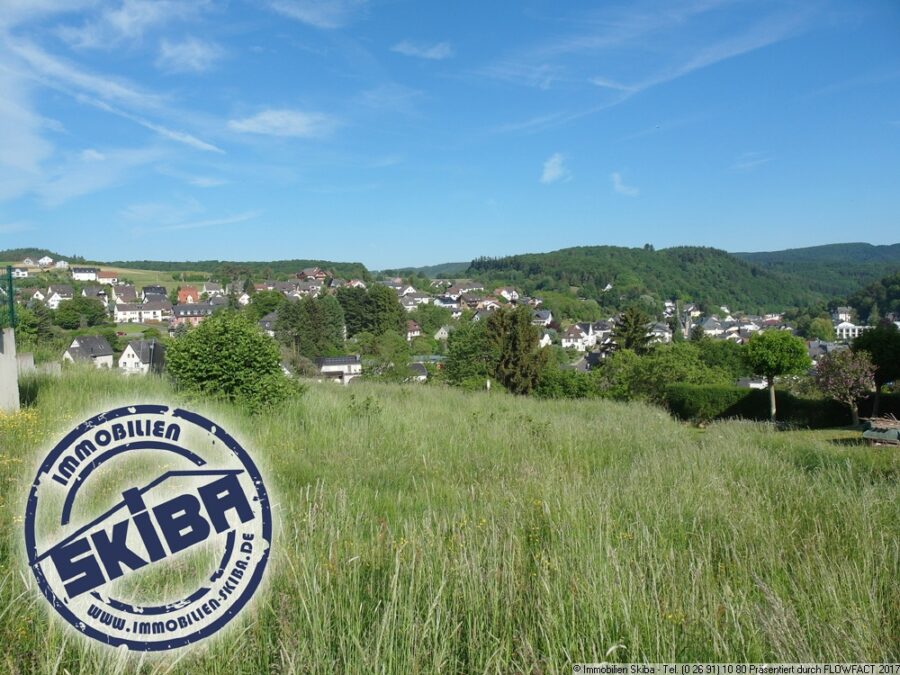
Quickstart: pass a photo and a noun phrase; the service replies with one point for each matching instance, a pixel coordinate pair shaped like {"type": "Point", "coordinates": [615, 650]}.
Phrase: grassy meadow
{"type": "Point", "coordinates": [422, 529]}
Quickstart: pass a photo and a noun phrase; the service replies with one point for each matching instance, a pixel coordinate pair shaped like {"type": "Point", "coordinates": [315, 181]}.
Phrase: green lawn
{"type": "Point", "coordinates": [422, 529]}
{"type": "Point", "coordinates": [138, 277]}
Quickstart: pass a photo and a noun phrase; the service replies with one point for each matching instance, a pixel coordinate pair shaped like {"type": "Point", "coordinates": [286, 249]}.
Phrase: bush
{"type": "Point", "coordinates": [228, 356]}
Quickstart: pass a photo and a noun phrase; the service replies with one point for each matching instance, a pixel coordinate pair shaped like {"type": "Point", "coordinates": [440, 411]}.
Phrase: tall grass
{"type": "Point", "coordinates": [431, 530]}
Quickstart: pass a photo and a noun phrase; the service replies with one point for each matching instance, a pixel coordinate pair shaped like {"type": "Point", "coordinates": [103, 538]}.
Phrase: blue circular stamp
{"type": "Point", "coordinates": [149, 527]}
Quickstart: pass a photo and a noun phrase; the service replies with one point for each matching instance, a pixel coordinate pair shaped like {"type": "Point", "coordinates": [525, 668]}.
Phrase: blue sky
{"type": "Point", "coordinates": [408, 133]}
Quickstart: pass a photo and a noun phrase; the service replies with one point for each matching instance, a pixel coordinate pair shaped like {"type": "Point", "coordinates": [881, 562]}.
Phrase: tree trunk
{"type": "Point", "coordinates": [876, 402]}
{"type": "Point", "coordinates": [771, 399]}
{"type": "Point", "coordinates": [854, 413]}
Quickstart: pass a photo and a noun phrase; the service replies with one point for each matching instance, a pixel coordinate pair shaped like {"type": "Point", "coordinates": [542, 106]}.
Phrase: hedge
{"type": "Point", "coordinates": [708, 402]}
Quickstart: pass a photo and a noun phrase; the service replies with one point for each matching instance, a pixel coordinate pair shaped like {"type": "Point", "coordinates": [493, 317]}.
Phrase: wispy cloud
{"type": "Point", "coordinates": [620, 186]}
{"type": "Point", "coordinates": [555, 169]}
{"type": "Point", "coordinates": [751, 160]}
{"type": "Point", "coordinates": [212, 222]}
{"type": "Point", "coordinates": [102, 92]}
{"type": "Point", "coordinates": [319, 13]}
{"type": "Point", "coordinates": [435, 52]}
{"type": "Point", "coordinates": [288, 123]}
{"type": "Point", "coordinates": [129, 22]}
{"type": "Point", "coordinates": [189, 56]}
{"type": "Point", "coordinates": [23, 150]}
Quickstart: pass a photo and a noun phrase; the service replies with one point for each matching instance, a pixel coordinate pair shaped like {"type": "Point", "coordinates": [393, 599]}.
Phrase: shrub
{"type": "Point", "coordinates": [228, 356]}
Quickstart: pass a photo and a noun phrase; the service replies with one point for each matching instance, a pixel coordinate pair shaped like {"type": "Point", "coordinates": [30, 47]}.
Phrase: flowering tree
{"type": "Point", "coordinates": [846, 376]}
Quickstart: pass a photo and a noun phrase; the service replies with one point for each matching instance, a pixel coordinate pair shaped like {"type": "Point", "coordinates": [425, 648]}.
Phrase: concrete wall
{"type": "Point", "coordinates": [9, 372]}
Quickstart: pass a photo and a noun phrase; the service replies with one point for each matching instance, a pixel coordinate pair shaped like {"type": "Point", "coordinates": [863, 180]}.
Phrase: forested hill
{"type": "Point", "coordinates": [705, 275]}
{"type": "Point", "coordinates": [347, 270]}
{"type": "Point", "coordinates": [833, 269]}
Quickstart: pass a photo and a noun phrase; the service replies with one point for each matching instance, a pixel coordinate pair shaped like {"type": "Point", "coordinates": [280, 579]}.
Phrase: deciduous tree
{"type": "Point", "coordinates": [775, 353]}
{"type": "Point", "coordinates": [846, 376]}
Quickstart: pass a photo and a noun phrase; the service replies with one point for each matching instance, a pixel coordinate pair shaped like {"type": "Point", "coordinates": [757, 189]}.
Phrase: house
{"type": "Point", "coordinates": [156, 297]}
{"type": "Point", "coordinates": [546, 339]}
{"type": "Point", "coordinates": [842, 314]}
{"type": "Point", "coordinates": [488, 304]}
{"type": "Point", "coordinates": [848, 331]}
{"type": "Point", "coordinates": [751, 383]}
{"type": "Point", "coordinates": [412, 330]}
{"type": "Point", "coordinates": [819, 348]}
{"type": "Point", "coordinates": [153, 290]}
{"type": "Point", "coordinates": [58, 294]}
{"type": "Point", "coordinates": [574, 338]}
{"type": "Point", "coordinates": [124, 293]}
{"type": "Point", "coordinates": [61, 265]}
{"type": "Point", "coordinates": [141, 312]}
{"type": "Point", "coordinates": [417, 372]}
{"type": "Point", "coordinates": [20, 273]}
{"type": "Point", "coordinates": [90, 348]}
{"type": "Point", "coordinates": [244, 299]}
{"type": "Point", "coordinates": [446, 302]}
{"type": "Point", "coordinates": [507, 293]}
{"type": "Point", "coordinates": [188, 295]}
{"type": "Point", "coordinates": [341, 369]}
{"type": "Point", "coordinates": [267, 323]}
{"type": "Point", "coordinates": [96, 293]}
{"type": "Point", "coordinates": [356, 283]}
{"type": "Point", "coordinates": [29, 262]}
{"type": "Point", "coordinates": [481, 314]}
{"type": "Point", "coordinates": [211, 289]}
{"type": "Point", "coordinates": [660, 332]}
{"type": "Point", "coordinates": [190, 313]}
{"type": "Point", "coordinates": [443, 333]}
{"type": "Point", "coordinates": [29, 294]}
{"type": "Point", "coordinates": [312, 273]}
{"type": "Point", "coordinates": [46, 261]}
{"type": "Point", "coordinates": [712, 326]}
{"type": "Point", "coordinates": [84, 273]}
{"type": "Point", "coordinates": [142, 356]}
{"type": "Point", "coordinates": [542, 317]}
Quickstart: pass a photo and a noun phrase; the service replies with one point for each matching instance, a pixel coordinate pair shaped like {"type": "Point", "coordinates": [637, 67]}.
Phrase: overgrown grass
{"type": "Point", "coordinates": [431, 530]}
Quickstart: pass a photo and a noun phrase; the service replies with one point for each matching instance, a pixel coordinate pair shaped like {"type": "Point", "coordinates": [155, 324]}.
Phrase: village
{"type": "Point", "coordinates": [178, 308]}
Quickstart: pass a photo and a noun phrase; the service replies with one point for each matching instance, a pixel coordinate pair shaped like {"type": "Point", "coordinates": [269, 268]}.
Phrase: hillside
{"type": "Point", "coordinates": [440, 271]}
{"type": "Point", "coordinates": [349, 270]}
{"type": "Point", "coordinates": [704, 275]}
{"type": "Point", "coordinates": [834, 269]}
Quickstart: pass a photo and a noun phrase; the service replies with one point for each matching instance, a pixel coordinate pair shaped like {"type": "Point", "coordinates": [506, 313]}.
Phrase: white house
{"type": "Point", "coordinates": [29, 262]}
{"type": "Point", "coordinates": [442, 333]}
{"type": "Point", "coordinates": [90, 348]}
{"type": "Point", "coordinates": [61, 265]}
{"type": "Point", "coordinates": [46, 261]}
{"type": "Point", "coordinates": [545, 340]}
{"type": "Point", "coordinates": [140, 356]}
{"type": "Point", "coordinates": [847, 331]}
{"type": "Point", "coordinates": [412, 330]}
{"type": "Point", "coordinates": [110, 278]}
{"type": "Point", "coordinates": [574, 338]}
{"type": "Point", "coordinates": [84, 273]}
{"type": "Point", "coordinates": [341, 369]}
{"type": "Point", "coordinates": [58, 294]}
{"type": "Point", "coordinates": [139, 313]}
{"type": "Point", "coordinates": [20, 272]}
{"type": "Point", "coordinates": [507, 293]}
{"type": "Point", "coordinates": [542, 317]}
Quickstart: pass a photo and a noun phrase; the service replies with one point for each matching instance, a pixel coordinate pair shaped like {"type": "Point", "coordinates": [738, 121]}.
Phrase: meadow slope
{"type": "Point", "coordinates": [424, 529]}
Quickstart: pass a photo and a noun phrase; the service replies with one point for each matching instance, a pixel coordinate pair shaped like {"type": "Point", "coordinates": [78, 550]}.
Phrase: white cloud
{"type": "Point", "coordinates": [288, 123]}
{"type": "Point", "coordinates": [435, 52]}
{"type": "Point", "coordinates": [620, 187]}
{"type": "Point", "coordinates": [191, 55]}
{"type": "Point", "coordinates": [98, 91]}
{"type": "Point", "coordinates": [213, 222]}
{"type": "Point", "coordinates": [751, 160]}
{"type": "Point", "coordinates": [129, 21]}
{"type": "Point", "coordinates": [23, 149]}
{"type": "Point", "coordinates": [555, 169]}
{"type": "Point", "coordinates": [318, 13]}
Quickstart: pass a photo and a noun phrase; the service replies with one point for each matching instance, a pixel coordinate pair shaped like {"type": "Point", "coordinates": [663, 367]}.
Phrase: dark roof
{"type": "Point", "coordinates": [82, 270]}
{"type": "Point", "coordinates": [351, 360]}
{"type": "Point", "coordinates": [90, 346]}
{"type": "Point", "coordinates": [93, 291]}
{"type": "Point", "coordinates": [192, 309]}
{"type": "Point", "coordinates": [145, 348]}
{"type": "Point", "coordinates": [62, 289]}
{"type": "Point", "coordinates": [418, 369]}
{"type": "Point", "coordinates": [153, 289]}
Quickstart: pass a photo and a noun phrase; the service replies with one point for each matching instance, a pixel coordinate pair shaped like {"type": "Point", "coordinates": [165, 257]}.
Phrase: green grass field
{"type": "Point", "coordinates": [140, 278]}
{"type": "Point", "coordinates": [424, 529]}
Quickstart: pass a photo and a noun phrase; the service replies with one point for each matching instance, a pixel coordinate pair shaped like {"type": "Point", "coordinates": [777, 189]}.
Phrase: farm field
{"type": "Point", "coordinates": [426, 529]}
{"type": "Point", "coordinates": [138, 277]}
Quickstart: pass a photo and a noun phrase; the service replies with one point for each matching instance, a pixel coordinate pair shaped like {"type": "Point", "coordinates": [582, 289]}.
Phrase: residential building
{"type": "Point", "coordinates": [96, 293]}
{"type": "Point", "coordinates": [90, 348]}
{"type": "Point", "coordinates": [848, 331]}
{"type": "Point", "coordinates": [188, 295]}
{"type": "Point", "coordinates": [412, 330]}
{"type": "Point", "coordinates": [46, 261]}
{"type": "Point", "coordinates": [341, 369]}
{"type": "Point", "coordinates": [57, 294]}
{"type": "Point", "coordinates": [153, 290]}
{"type": "Point", "coordinates": [61, 265]}
{"type": "Point", "coordinates": [20, 272]}
{"type": "Point", "coordinates": [84, 273]}
{"type": "Point", "coordinates": [142, 312]}
{"type": "Point", "coordinates": [542, 317]}
{"type": "Point", "coordinates": [190, 313]}
{"type": "Point", "coordinates": [124, 293]}
{"type": "Point", "coordinates": [142, 356]}
{"type": "Point", "coordinates": [267, 323]}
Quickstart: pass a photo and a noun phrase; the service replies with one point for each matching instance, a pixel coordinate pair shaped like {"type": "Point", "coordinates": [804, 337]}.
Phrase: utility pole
{"type": "Point", "coordinates": [10, 300]}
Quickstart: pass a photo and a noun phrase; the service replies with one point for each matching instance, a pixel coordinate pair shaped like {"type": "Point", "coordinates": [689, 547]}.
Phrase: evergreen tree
{"type": "Point", "coordinates": [353, 303]}
{"type": "Point", "coordinates": [631, 331]}
{"type": "Point", "coordinates": [520, 358]}
{"type": "Point", "coordinates": [384, 310]}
